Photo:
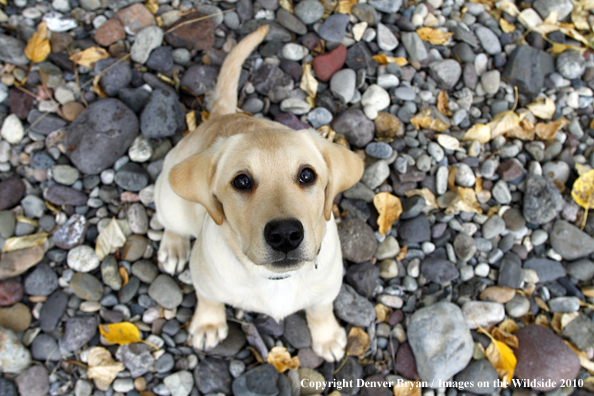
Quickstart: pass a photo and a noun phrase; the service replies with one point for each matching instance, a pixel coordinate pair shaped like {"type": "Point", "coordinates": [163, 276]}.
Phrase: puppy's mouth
{"type": "Point", "coordinates": [284, 266]}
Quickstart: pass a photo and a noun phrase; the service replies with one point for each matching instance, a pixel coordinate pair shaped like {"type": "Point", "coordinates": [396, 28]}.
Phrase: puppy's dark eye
{"type": "Point", "coordinates": [242, 182]}
{"type": "Point", "coordinates": [307, 176]}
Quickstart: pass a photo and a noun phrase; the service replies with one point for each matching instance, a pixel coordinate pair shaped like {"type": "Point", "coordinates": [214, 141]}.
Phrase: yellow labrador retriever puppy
{"type": "Point", "coordinates": [257, 196]}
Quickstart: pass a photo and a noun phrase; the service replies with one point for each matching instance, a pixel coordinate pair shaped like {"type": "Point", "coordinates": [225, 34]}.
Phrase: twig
{"type": "Point", "coordinates": [106, 69]}
{"type": "Point", "coordinates": [77, 80]}
{"type": "Point", "coordinates": [198, 20]}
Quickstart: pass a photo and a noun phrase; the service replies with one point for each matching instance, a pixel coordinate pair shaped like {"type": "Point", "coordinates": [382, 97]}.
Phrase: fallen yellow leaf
{"type": "Point", "coordinates": [345, 6]}
{"type": "Point", "coordinates": [103, 370]}
{"type": "Point", "coordinates": [89, 56]}
{"type": "Point", "coordinates": [442, 103]}
{"type": "Point", "coordinates": [97, 88]}
{"type": "Point", "coordinates": [479, 132]}
{"type": "Point", "coordinates": [506, 26]}
{"type": "Point", "coordinates": [124, 275]}
{"type": "Point", "coordinates": [505, 337]}
{"type": "Point", "coordinates": [191, 120]}
{"type": "Point", "coordinates": [424, 120]}
{"type": "Point", "coordinates": [503, 123]}
{"type": "Point", "coordinates": [524, 131]}
{"type": "Point", "coordinates": [426, 194]}
{"type": "Point", "coordinates": [152, 6]}
{"type": "Point", "coordinates": [389, 208]}
{"type": "Point", "coordinates": [583, 357]}
{"type": "Point", "coordinates": [287, 5]}
{"type": "Point", "coordinates": [38, 46]}
{"type": "Point", "coordinates": [542, 107]}
{"type": "Point", "coordinates": [308, 84]}
{"type": "Point", "coordinates": [434, 36]}
{"type": "Point", "coordinates": [583, 193]}
{"type": "Point", "coordinates": [509, 326]}
{"type": "Point", "coordinates": [465, 201]}
{"type": "Point", "coordinates": [384, 60]}
{"type": "Point", "coordinates": [357, 342]}
{"type": "Point", "coordinates": [501, 357]}
{"type": "Point", "coordinates": [109, 240]}
{"type": "Point", "coordinates": [120, 333]}
{"type": "Point", "coordinates": [547, 131]}
{"type": "Point", "coordinates": [558, 48]}
{"type": "Point", "coordinates": [281, 359]}
{"type": "Point", "coordinates": [382, 312]}
{"type": "Point", "coordinates": [452, 171]}
{"type": "Point", "coordinates": [23, 242]}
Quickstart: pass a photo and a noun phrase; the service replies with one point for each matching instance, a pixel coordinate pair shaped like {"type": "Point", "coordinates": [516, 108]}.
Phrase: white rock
{"type": "Point", "coordinates": [358, 30]}
{"type": "Point", "coordinates": [146, 40]}
{"type": "Point", "coordinates": [123, 385]}
{"type": "Point", "coordinates": [386, 40]}
{"type": "Point", "coordinates": [83, 259]}
{"type": "Point", "coordinates": [140, 149]}
{"type": "Point", "coordinates": [295, 106]}
{"type": "Point", "coordinates": [57, 22]}
{"type": "Point", "coordinates": [180, 383]}
{"type": "Point", "coordinates": [64, 95]}
{"type": "Point", "coordinates": [483, 313]}
{"type": "Point", "coordinates": [61, 5]}
{"type": "Point", "coordinates": [529, 18]}
{"type": "Point", "coordinates": [448, 142]}
{"type": "Point", "coordinates": [294, 52]}
{"type": "Point", "coordinates": [388, 81]}
{"type": "Point", "coordinates": [376, 97]}
{"type": "Point", "coordinates": [12, 129]}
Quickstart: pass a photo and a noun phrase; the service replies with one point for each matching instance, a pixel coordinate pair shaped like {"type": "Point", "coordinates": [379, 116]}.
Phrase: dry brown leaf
{"type": "Point", "coordinates": [509, 8]}
{"type": "Point", "coordinates": [408, 388]}
{"type": "Point", "coordinates": [547, 131]}
{"type": "Point", "coordinates": [152, 6]}
{"type": "Point", "coordinates": [442, 103]}
{"type": "Point", "coordinates": [579, 17]}
{"type": "Point", "coordinates": [287, 5]}
{"type": "Point", "coordinates": [124, 275]}
{"type": "Point", "coordinates": [524, 131]}
{"type": "Point", "coordinates": [308, 84]}
{"type": "Point", "coordinates": [501, 357]}
{"type": "Point", "coordinates": [556, 322]}
{"type": "Point", "coordinates": [478, 185]}
{"type": "Point", "coordinates": [426, 194]}
{"type": "Point", "coordinates": [550, 24]}
{"type": "Point", "coordinates": [465, 201]}
{"type": "Point", "coordinates": [479, 132]}
{"type": "Point", "coordinates": [357, 342]}
{"type": "Point", "coordinates": [505, 337]}
{"type": "Point", "coordinates": [543, 305]}
{"type": "Point", "coordinates": [281, 359]}
{"type": "Point", "coordinates": [382, 312]}
{"type": "Point", "coordinates": [384, 60]}
{"type": "Point", "coordinates": [503, 123]}
{"type": "Point", "coordinates": [567, 318]}
{"type": "Point", "coordinates": [434, 36]}
{"type": "Point", "coordinates": [583, 193]}
{"type": "Point", "coordinates": [97, 88]}
{"type": "Point", "coordinates": [452, 171]}
{"type": "Point", "coordinates": [345, 6]}
{"type": "Point", "coordinates": [402, 254]}
{"type": "Point", "coordinates": [509, 326]}
{"type": "Point", "coordinates": [109, 240]}
{"type": "Point", "coordinates": [23, 242]}
{"type": "Point", "coordinates": [542, 320]}
{"type": "Point", "coordinates": [588, 291]}
{"type": "Point", "coordinates": [558, 48]}
{"type": "Point", "coordinates": [424, 120]}
{"type": "Point", "coordinates": [389, 208]}
{"type": "Point", "coordinates": [506, 26]}
{"type": "Point", "coordinates": [542, 107]}
{"type": "Point", "coordinates": [582, 356]}
{"type": "Point", "coordinates": [191, 120]}
{"type": "Point", "coordinates": [89, 56]}
{"type": "Point", "coordinates": [103, 370]}
{"type": "Point", "coordinates": [38, 46]}
{"type": "Point", "coordinates": [329, 6]}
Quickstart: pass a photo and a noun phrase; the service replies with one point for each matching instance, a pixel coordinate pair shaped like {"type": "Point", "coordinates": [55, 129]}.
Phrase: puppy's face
{"type": "Point", "coordinates": [273, 188]}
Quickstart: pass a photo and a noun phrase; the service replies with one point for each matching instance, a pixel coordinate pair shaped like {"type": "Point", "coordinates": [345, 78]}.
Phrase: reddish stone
{"type": "Point", "coordinates": [329, 63]}
{"type": "Point", "coordinates": [197, 35]}
{"type": "Point", "coordinates": [511, 169]}
{"type": "Point", "coordinates": [11, 292]}
{"type": "Point", "coordinates": [395, 318]}
{"type": "Point", "coordinates": [542, 356]}
{"type": "Point", "coordinates": [110, 32]}
{"type": "Point", "coordinates": [135, 18]}
{"type": "Point", "coordinates": [59, 42]}
{"type": "Point", "coordinates": [406, 364]}
{"type": "Point", "coordinates": [71, 110]}
{"type": "Point", "coordinates": [20, 103]}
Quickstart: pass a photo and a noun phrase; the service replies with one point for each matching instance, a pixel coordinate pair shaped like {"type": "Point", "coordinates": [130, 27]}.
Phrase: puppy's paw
{"type": "Point", "coordinates": [329, 345]}
{"type": "Point", "coordinates": [208, 336]}
{"type": "Point", "coordinates": [174, 252]}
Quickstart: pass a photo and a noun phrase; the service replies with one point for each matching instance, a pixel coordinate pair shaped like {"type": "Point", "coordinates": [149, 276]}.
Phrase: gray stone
{"type": "Point", "coordinates": [488, 39]}
{"type": "Point", "coordinates": [415, 230]}
{"type": "Point", "coordinates": [445, 72]}
{"type": "Point", "coordinates": [440, 340]}
{"type": "Point", "coordinates": [439, 270]}
{"type": "Point", "coordinates": [465, 246]}
{"type": "Point", "coordinates": [479, 371]}
{"type": "Point", "coordinates": [414, 46]}
{"type": "Point", "coordinates": [570, 64]}
{"type": "Point", "coordinates": [42, 281]}
{"type": "Point", "coordinates": [352, 308]}
{"type": "Point", "coordinates": [357, 240]}
{"type": "Point", "coordinates": [45, 347]}
{"type": "Point", "coordinates": [309, 11]}
{"type": "Point", "coordinates": [571, 242]}
{"type": "Point", "coordinates": [79, 332]}
{"type": "Point", "coordinates": [163, 115]}
{"type": "Point", "coordinates": [165, 292]}
{"type": "Point", "coordinates": [260, 381]}
{"type": "Point", "coordinates": [580, 331]}
{"type": "Point", "coordinates": [581, 270]}
{"type": "Point", "coordinates": [14, 357]}
{"type": "Point", "coordinates": [547, 270]}
{"type": "Point", "coordinates": [334, 27]}
{"type": "Point", "coordinates": [355, 126]}
{"type": "Point", "coordinates": [12, 51]}
{"type": "Point", "coordinates": [212, 376]}
{"type": "Point", "coordinates": [545, 7]}
{"type": "Point", "coordinates": [527, 68]}
{"type": "Point", "coordinates": [296, 332]}
{"type": "Point", "coordinates": [564, 304]}
{"type": "Point", "coordinates": [136, 357]}
{"type": "Point", "coordinates": [114, 77]}
{"type": "Point", "coordinates": [542, 200]}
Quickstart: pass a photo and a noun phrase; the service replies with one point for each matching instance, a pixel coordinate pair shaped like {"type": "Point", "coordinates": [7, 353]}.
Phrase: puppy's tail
{"type": "Point", "coordinates": [225, 94]}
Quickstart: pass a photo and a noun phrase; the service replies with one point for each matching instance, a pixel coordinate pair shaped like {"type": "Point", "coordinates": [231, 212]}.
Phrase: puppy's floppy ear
{"type": "Point", "coordinates": [345, 168]}
{"type": "Point", "coordinates": [192, 179]}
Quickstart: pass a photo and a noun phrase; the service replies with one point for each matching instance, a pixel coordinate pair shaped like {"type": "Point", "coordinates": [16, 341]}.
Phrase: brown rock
{"type": "Point", "coordinates": [498, 294]}
{"type": "Point", "coordinates": [511, 169]}
{"type": "Point", "coordinates": [110, 32]}
{"type": "Point", "coordinates": [11, 193]}
{"type": "Point", "coordinates": [11, 292]}
{"type": "Point", "coordinates": [543, 356]}
{"type": "Point", "coordinates": [135, 18]}
{"type": "Point", "coordinates": [16, 318]}
{"type": "Point", "coordinates": [16, 262]}
{"type": "Point", "coordinates": [406, 365]}
{"type": "Point", "coordinates": [59, 42]}
{"type": "Point", "coordinates": [134, 248]}
{"type": "Point", "coordinates": [197, 35]}
{"type": "Point", "coordinates": [20, 103]}
{"type": "Point", "coordinates": [71, 110]}
{"type": "Point", "coordinates": [388, 125]}
{"type": "Point", "coordinates": [329, 63]}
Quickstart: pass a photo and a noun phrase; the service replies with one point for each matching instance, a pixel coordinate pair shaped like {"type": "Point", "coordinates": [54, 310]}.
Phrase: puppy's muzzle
{"type": "Point", "coordinates": [284, 235]}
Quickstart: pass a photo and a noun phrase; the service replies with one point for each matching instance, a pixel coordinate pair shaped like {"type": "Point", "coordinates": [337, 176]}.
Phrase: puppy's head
{"type": "Point", "coordinates": [273, 189]}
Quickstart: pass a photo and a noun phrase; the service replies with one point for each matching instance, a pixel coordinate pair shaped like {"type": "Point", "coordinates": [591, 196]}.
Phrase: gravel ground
{"type": "Point", "coordinates": [489, 231]}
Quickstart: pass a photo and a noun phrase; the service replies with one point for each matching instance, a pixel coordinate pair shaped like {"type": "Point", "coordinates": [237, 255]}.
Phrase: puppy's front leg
{"type": "Point", "coordinates": [174, 252]}
{"type": "Point", "coordinates": [328, 338]}
{"type": "Point", "coordinates": [209, 324]}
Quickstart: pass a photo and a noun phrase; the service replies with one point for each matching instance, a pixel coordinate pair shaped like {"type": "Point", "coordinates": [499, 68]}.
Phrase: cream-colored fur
{"type": "Point", "coordinates": [231, 262]}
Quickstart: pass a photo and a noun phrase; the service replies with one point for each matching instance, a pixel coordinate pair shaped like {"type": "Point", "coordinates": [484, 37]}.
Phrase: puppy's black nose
{"type": "Point", "coordinates": [284, 235]}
